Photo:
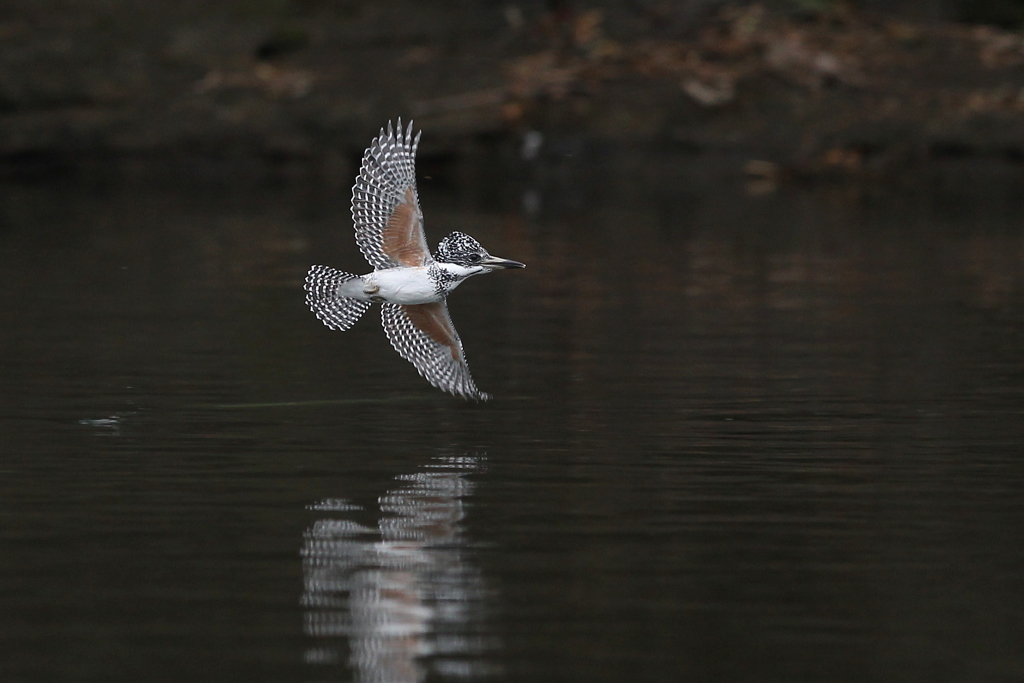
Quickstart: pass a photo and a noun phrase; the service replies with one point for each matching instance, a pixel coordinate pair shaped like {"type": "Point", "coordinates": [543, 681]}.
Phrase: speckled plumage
{"type": "Point", "coordinates": [411, 284]}
{"type": "Point", "coordinates": [388, 171]}
{"type": "Point", "coordinates": [440, 365]}
{"type": "Point", "coordinates": [459, 248]}
{"type": "Point", "coordinates": [337, 312]}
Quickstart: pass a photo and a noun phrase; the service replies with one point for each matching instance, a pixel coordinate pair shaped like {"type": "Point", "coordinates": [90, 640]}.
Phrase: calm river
{"type": "Point", "coordinates": [738, 435]}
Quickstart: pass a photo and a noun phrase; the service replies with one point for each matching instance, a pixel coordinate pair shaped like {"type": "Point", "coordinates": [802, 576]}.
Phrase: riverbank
{"type": "Point", "coordinates": [778, 94]}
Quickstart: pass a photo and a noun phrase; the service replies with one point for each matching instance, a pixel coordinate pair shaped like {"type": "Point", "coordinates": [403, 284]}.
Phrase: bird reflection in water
{"type": "Point", "coordinates": [402, 594]}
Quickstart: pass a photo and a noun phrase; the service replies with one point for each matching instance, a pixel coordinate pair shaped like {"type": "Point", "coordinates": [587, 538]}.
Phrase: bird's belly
{"type": "Point", "coordinates": [400, 286]}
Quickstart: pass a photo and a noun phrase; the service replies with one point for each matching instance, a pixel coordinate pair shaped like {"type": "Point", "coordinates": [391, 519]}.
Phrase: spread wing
{"type": "Point", "coordinates": [424, 335]}
{"type": "Point", "coordinates": [385, 207]}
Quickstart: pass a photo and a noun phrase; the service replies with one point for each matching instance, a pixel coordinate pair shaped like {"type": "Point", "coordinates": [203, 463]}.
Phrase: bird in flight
{"type": "Point", "coordinates": [410, 284]}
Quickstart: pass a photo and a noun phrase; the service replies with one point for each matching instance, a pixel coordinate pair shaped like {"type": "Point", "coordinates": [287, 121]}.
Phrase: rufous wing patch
{"type": "Point", "coordinates": [433, 321]}
{"type": "Point", "coordinates": [403, 235]}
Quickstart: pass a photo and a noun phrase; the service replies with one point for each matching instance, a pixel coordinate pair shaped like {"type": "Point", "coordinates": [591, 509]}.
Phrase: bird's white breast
{"type": "Point", "coordinates": [395, 285]}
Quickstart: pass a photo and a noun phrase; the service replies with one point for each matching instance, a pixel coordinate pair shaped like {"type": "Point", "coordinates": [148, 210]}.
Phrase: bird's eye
{"type": "Point", "coordinates": [475, 257]}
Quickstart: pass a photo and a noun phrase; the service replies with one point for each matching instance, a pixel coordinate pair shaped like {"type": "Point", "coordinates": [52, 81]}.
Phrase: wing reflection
{"type": "Point", "coordinates": [401, 592]}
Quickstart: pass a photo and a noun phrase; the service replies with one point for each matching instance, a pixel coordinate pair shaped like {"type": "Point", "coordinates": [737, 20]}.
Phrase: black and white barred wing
{"type": "Point", "coordinates": [424, 335]}
{"type": "Point", "coordinates": [385, 206]}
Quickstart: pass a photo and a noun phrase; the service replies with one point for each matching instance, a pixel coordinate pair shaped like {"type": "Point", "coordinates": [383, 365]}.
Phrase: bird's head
{"type": "Point", "coordinates": [461, 249]}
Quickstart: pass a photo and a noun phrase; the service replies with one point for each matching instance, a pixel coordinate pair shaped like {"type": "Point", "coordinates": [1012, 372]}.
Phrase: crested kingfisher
{"type": "Point", "coordinates": [410, 284]}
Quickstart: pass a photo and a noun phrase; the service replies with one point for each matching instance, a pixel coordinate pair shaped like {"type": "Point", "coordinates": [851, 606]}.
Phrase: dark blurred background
{"type": "Point", "coordinates": [291, 87]}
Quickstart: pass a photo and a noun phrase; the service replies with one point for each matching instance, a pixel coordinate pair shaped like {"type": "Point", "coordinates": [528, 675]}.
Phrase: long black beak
{"type": "Point", "coordinates": [494, 263]}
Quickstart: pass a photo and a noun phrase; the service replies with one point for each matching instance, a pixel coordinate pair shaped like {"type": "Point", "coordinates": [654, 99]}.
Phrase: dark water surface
{"type": "Point", "coordinates": [736, 438]}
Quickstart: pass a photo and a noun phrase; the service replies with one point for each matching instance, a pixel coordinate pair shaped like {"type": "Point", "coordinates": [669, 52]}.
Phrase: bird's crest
{"type": "Point", "coordinates": [460, 248]}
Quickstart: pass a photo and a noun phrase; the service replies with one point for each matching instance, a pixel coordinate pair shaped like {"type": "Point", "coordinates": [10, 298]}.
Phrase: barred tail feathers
{"type": "Point", "coordinates": [336, 311]}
